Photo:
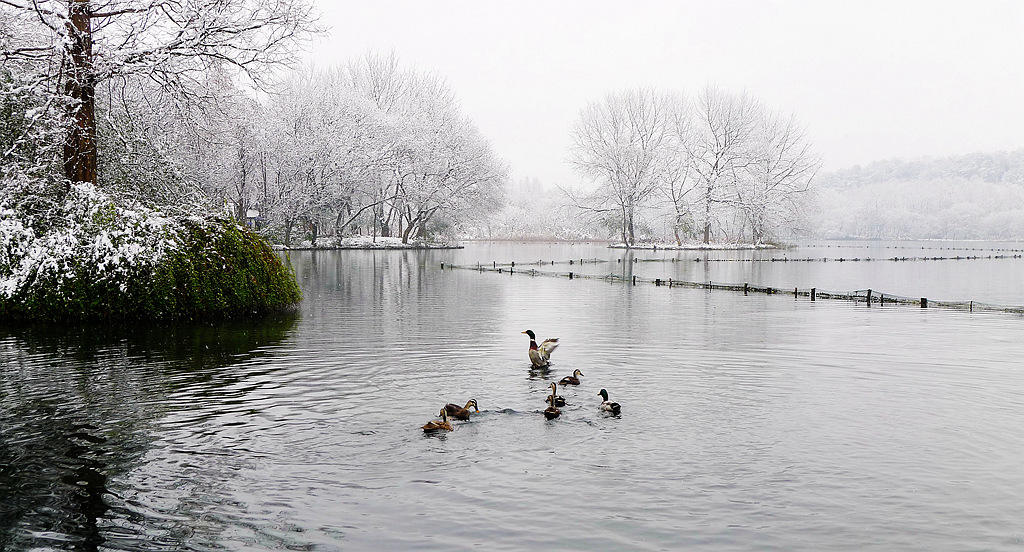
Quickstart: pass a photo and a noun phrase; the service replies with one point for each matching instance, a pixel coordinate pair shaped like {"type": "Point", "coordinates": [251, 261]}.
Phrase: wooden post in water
{"type": "Point", "coordinates": [634, 280]}
{"type": "Point", "coordinates": [795, 293]}
{"type": "Point", "coordinates": [813, 292]}
{"type": "Point", "coordinates": [442, 265]}
{"type": "Point", "coordinates": [745, 288]}
{"type": "Point", "coordinates": [657, 282]}
{"type": "Point", "coordinates": [924, 302]}
{"type": "Point", "coordinates": [570, 275]}
{"type": "Point", "coordinates": [869, 297]}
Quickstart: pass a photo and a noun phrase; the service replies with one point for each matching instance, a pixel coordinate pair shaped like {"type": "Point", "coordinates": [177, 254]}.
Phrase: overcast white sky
{"type": "Point", "coordinates": [869, 79]}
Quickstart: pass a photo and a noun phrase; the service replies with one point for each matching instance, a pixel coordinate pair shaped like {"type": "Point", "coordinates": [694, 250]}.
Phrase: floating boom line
{"type": "Point", "coordinates": [866, 296]}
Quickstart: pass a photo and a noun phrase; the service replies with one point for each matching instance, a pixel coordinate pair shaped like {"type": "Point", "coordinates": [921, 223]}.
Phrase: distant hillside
{"type": "Point", "coordinates": [975, 196]}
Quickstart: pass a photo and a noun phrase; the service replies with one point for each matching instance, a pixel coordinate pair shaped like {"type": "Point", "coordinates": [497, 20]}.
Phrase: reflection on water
{"type": "Point", "coordinates": [749, 422]}
{"type": "Point", "coordinates": [77, 412]}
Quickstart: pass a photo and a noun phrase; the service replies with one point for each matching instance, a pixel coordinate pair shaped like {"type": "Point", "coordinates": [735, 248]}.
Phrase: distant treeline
{"type": "Point", "coordinates": [975, 196]}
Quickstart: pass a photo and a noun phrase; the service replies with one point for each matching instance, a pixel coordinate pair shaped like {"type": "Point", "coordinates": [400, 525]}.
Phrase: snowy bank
{"type": "Point", "coordinates": [367, 242]}
{"type": "Point", "coordinates": [91, 257]}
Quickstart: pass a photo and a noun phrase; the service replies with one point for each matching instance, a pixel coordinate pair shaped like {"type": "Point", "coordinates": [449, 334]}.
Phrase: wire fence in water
{"type": "Point", "coordinates": [867, 296]}
{"type": "Point", "coordinates": [786, 259]}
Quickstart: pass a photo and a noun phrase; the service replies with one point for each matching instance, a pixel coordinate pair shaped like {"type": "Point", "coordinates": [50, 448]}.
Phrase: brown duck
{"type": "Point", "coordinates": [434, 425]}
{"type": "Point", "coordinates": [558, 399]}
{"type": "Point", "coordinates": [459, 412]}
{"type": "Point", "coordinates": [574, 379]}
{"type": "Point", "coordinates": [551, 412]}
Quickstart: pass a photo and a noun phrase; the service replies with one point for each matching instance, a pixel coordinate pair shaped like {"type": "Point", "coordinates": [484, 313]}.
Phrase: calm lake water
{"type": "Point", "coordinates": [748, 422]}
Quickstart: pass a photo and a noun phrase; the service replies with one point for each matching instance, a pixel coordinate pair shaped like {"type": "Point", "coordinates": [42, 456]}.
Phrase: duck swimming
{"type": "Point", "coordinates": [558, 399]}
{"type": "Point", "coordinates": [574, 379]}
{"type": "Point", "coordinates": [552, 412]}
{"type": "Point", "coordinates": [434, 425]}
{"type": "Point", "coordinates": [539, 354]}
{"type": "Point", "coordinates": [607, 405]}
{"type": "Point", "coordinates": [459, 412]}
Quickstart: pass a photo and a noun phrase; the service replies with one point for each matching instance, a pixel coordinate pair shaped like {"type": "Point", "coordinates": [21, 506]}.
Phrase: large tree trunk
{"type": "Point", "coordinates": [80, 145]}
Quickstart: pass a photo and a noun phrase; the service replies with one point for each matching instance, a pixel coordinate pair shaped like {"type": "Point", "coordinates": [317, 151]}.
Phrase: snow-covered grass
{"type": "Point", "coordinates": [90, 256]}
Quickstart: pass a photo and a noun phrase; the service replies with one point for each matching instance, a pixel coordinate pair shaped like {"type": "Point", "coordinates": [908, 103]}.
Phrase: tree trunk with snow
{"type": "Point", "coordinates": [80, 86]}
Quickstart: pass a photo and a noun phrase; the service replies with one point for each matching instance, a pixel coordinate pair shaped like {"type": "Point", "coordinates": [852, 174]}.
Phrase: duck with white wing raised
{"type": "Point", "coordinates": [539, 354]}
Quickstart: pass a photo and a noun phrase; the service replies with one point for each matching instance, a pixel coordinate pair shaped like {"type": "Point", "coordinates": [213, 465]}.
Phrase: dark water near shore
{"type": "Point", "coordinates": [749, 422]}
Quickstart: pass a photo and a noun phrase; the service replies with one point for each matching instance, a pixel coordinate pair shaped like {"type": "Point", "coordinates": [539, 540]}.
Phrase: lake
{"type": "Point", "coordinates": [749, 422]}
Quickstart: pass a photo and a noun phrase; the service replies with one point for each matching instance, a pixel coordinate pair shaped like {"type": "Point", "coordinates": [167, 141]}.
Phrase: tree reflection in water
{"type": "Point", "coordinates": [77, 407]}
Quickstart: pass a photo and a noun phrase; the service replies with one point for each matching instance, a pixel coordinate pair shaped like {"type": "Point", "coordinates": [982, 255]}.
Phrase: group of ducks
{"type": "Point", "coordinates": [453, 410]}
{"type": "Point", "coordinates": [539, 357]}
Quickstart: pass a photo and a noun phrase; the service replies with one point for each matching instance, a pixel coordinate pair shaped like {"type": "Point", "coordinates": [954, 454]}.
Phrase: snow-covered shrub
{"type": "Point", "coordinates": [87, 236]}
{"type": "Point", "coordinates": [92, 257]}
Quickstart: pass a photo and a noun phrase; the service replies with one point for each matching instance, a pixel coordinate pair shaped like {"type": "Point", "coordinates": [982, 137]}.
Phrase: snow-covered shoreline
{"type": "Point", "coordinates": [370, 243]}
{"type": "Point", "coordinates": [363, 242]}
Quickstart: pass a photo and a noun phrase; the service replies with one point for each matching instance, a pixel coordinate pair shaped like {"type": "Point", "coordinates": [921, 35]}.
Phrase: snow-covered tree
{"type": "Point", "coordinates": [372, 145]}
{"type": "Point", "coordinates": [720, 147]}
{"type": "Point", "coordinates": [679, 181]}
{"type": "Point", "coordinates": [724, 166]}
{"type": "Point", "coordinates": [83, 43]}
{"type": "Point", "coordinates": [773, 191]}
{"type": "Point", "coordinates": [32, 108]}
{"type": "Point", "coordinates": [623, 144]}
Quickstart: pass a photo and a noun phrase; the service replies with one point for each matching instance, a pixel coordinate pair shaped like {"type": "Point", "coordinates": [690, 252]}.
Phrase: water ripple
{"type": "Point", "coordinates": [747, 423]}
